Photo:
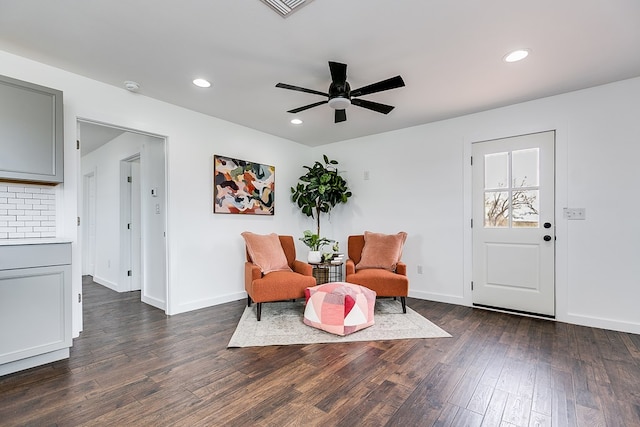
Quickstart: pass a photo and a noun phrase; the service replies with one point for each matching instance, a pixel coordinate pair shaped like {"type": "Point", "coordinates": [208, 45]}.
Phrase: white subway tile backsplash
{"type": "Point", "coordinates": [27, 211]}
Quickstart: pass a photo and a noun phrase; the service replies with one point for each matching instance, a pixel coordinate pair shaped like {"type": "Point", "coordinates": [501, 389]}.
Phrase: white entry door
{"type": "Point", "coordinates": [514, 223]}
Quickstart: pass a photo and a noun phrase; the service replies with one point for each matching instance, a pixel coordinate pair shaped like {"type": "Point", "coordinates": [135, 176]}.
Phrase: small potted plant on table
{"type": "Point", "coordinates": [315, 244]}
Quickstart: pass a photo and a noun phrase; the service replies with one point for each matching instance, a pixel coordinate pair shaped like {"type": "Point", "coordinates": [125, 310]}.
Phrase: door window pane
{"type": "Point", "coordinates": [524, 167]}
{"type": "Point", "coordinates": [496, 209]}
{"type": "Point", "coordinates": [496, 171]}
{"type": "Point", "coordinates": [525, 205]}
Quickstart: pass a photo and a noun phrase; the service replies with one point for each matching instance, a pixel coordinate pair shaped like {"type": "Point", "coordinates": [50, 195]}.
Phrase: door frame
{"type": "Point", "coordinates": [166, 247]}
{"type": "Point", "coordinates": [561, 201]}
{"type": "Point", "coordinates": [537, 297]}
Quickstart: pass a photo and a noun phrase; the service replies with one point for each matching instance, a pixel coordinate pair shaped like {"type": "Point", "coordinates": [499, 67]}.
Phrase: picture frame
{"type": "Point", "coordinates": [243, 187]}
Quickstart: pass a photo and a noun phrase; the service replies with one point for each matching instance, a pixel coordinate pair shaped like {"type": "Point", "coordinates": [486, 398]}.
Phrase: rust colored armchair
{"type": "Point", "coordinates": [391, 281]}
{"type": "Point", "coordinates": [286, 282]}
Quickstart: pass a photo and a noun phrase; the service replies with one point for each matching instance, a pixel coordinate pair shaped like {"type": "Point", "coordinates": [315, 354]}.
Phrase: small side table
{"type": "Point", "coordinates": [326, 272]}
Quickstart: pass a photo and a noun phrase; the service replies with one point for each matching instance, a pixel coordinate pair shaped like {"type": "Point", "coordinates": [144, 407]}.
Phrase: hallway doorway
{"type": "Point", "coordinates": [124, 203]}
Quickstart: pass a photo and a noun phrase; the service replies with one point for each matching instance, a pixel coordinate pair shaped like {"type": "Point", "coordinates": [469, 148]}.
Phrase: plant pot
{"type": "Point", "coordinates": [314, 257]}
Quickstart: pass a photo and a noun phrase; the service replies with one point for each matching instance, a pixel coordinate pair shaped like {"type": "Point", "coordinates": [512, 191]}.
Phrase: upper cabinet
{"type": "Point", "coordinates": [31, 134]}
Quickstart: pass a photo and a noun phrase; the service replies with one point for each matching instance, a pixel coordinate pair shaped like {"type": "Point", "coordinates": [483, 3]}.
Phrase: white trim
{"type": "Point", "coordinates": [209, 302]}
{"type": "Point", "coordinates": [107, 283]}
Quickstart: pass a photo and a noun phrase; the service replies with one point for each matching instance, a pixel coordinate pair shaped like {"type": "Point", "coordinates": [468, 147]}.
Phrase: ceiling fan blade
{"type": "Point", "coordinates": [301, 89]}
{"type": "Point", "coordinates": [375, 106]}
{"type": "Point", "coordinates": [306, 107]}
{"type": "Point", "coordinates": [338, 72]}
{"type": "Point", "coordinates": [341, 116]}
{"type": "Point", "coordinates": [392, 83]}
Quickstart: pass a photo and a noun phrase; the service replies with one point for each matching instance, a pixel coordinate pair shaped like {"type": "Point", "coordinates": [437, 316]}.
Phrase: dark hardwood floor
{"type": "Point", "coordinates": [134, 366]}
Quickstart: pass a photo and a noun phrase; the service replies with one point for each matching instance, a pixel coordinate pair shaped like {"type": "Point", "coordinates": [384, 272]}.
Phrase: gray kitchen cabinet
{"type": "Point", "coordinates": [31, 132]}
{"type": "Point", "coordinates": [35, 304]}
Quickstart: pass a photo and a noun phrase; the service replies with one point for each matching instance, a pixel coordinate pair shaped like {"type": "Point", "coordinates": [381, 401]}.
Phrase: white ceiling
{"type": "Point", "coordinates": [449, 53]}
{"type": "Point", "coordinates": [94, 135]}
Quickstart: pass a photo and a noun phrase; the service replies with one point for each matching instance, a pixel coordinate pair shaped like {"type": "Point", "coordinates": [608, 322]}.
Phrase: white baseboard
{"type": "Point", "coordinates": [430, 296]}
{"type": "Point", "coordinates": [33, 361]}
{"type": "Point", "coordinates": [104, 282]}
{"type": "Point", "coordinates": [599, 322]}
{"type": "Point", "coordinates": [209, 302]}
{"type": "Point", "coordinates": [162, 305]}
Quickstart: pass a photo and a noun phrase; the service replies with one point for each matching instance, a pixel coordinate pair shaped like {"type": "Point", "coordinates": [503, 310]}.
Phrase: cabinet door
{"type": "Point", "coordinates": [31, 133]}
{"type": "Point", "coordinates": [35, 311]}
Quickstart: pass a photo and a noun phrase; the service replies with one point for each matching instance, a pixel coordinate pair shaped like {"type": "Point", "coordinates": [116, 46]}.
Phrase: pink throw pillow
{"type": "Point", "coordinates": [266, 252]}
{"type": "Point", "coordinates": [381, 250]}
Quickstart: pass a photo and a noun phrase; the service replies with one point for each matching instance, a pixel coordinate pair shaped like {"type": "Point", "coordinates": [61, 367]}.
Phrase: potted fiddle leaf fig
{"type": "Point", "coordinates": [320, 190]}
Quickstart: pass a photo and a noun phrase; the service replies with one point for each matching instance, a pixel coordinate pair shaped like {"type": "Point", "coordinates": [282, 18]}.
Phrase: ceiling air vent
{"type": "Point", "coordinates": [285, 8]}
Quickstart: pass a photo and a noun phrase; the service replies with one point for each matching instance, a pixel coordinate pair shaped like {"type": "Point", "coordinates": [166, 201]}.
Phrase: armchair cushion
{"type": "Point", "coordinates": [266, 252]}
{"type": "Point", "coordinates": [381, 250]}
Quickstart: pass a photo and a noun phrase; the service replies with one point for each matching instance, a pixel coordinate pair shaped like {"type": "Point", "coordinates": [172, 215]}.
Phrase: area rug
{"type": "Point", "coordinates": [282, 324]}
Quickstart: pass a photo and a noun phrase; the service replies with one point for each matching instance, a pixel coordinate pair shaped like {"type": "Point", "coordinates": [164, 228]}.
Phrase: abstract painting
{"type": "Point", "coordinates": [243, 187]}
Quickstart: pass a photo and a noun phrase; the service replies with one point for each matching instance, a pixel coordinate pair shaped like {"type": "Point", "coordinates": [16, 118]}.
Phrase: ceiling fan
{"type": "Point", "coordinates": [340, 95]}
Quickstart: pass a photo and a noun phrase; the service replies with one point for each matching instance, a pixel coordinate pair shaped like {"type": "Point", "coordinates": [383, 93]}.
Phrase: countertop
{"type": "Point", "coordinates": [47, 241]}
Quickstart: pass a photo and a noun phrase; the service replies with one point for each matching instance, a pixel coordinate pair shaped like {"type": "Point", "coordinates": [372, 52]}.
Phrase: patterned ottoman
{"type": "Point", "coordinates": [339, 307]}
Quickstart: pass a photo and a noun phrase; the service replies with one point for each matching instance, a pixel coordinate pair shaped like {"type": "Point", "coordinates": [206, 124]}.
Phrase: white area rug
{"type": "Point", "coordinates": [282, 324]}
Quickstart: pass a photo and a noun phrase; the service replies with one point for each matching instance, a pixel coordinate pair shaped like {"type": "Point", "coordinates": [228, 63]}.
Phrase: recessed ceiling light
{"type": "Point", "coordinates": [201, 83]}
{"type": "Point", "coordinates": [296, 121]}
{"type": "Point", "coordinates": [131, 86]}
{"type": "Point", "coordinates": [516, 55]}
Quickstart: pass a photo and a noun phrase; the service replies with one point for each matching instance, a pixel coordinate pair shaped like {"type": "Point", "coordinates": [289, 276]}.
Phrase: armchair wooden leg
{"type": "Point", "coordinates": [258, 310]}
{"type": "Point", "coordinates": [403, 300]}
{"type": "Point", "coordinates": [248, 301]}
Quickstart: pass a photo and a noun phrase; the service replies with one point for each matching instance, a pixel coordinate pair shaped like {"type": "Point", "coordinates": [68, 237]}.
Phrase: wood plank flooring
{"type": "Point", "coordinates": [134, 366]}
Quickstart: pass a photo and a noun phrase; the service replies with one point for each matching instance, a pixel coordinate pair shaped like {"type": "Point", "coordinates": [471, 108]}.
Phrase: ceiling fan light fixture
{"type": "Point", "coordinates": [516, 55]}
{"type": "Point", "coordinates": [339, 103]}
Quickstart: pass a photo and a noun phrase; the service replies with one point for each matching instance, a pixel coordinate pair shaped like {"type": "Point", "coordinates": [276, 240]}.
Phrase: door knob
{"type": "Point", "coordinates": [547, 238]}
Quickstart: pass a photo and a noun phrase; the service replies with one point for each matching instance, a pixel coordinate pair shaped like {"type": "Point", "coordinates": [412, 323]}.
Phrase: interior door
{"type": "Point", "coordinates": [513, 224]}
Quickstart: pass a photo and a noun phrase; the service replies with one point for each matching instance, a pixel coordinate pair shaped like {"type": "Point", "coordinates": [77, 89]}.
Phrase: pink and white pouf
{"type": "Point", "coordinates": [339, 307]}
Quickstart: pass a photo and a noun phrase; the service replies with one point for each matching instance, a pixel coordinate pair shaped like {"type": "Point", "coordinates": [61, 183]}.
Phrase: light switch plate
{"type": "Point", "coordinates": [575, 213]}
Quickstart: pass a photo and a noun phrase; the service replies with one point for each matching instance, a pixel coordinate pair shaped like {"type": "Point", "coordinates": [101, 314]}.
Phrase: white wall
{"type": "Point", "coordinates": [420, 183]}
{"type": "Point", "coordinates": [154, 216]}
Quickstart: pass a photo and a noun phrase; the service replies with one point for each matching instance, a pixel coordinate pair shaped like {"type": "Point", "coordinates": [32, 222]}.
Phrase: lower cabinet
{"type": "Point", "coordinates": [35, 305]}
